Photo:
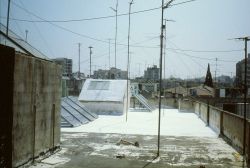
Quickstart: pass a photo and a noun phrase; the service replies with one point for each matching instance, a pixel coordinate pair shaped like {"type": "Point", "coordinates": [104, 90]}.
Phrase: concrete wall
{"type": "Point", "coordinates": [214, 119]}
{"type": "Point", "coordinates": [186, 105]}
{"type": "Point", "coordinates": [36, 106]}
{"type": "Point", "coordinates": [6, 103]}
{"type": "Point", "coordinates": [204, 112]}
{"type": "Point", "coordinates": [170, 102]}
{"type": "Point", "coordinates": [229, 126]}
{"type": "Point", "coordinates": [36, 120]}
{"type": "Point", "coordinates": [106, 108]}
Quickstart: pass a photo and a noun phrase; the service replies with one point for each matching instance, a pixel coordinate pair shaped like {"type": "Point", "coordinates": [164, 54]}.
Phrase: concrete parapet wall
{"type": "Point", "coordinates": [203, 114]}
{"type": "Point", "coordinates": [214, 119]}
{"type": "Point", "coordinates": [35, 127]}
{"type": "Point", "coordinates": [232, 128]}
{"type": "Point", "coordinates": [229, 126]}
{"type": "Point", "coordinates": [197, 109]}
{"type": "Point", "coordinates": [186, 105]}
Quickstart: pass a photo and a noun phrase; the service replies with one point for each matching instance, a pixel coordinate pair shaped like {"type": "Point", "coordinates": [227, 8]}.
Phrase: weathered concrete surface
{"type": "Point", "coordinates": [228, 125]}
{"type": "Point", "coordinates": [36, 110]}
{"type": "Point", "coordinates": [186, 105]}
{"type": "Point", "coordinates": [94, 150]}
{"type": "Point", "coordinates": [30, 106]}
{"type": "Point", "coordinates": [6, 104]}
{"type": "Point", "coordinates": [214, 119]}
{"type": "Point", "coordinates": [233, 129]}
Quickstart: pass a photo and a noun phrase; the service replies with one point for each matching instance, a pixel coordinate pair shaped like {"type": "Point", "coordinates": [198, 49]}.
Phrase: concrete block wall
{"type": "Point", "coordinates": [36, 100]}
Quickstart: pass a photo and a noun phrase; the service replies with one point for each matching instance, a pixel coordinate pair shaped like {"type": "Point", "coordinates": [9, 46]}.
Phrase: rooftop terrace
{"type": "Point", "coordinates": [186, 141]}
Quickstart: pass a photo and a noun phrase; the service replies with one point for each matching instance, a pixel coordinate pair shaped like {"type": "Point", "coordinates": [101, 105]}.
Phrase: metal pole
{"type": "Point", "coordinates": [109, 59]}
{"type": "Point", "coordinates": [128, 60]}
{"type": "Point", "coordinates": [246, 39]}
{"type": "Point", "coordinates": [139, 69]}
{"type": "Point", "coordinates": [165, 49]}
{"type": "Point", "coordinates": [8, 18]}
{"type": "Point", "coordinates": [79, 52]}
{"type": "Point", "coordinates": [90, 53]}
{"type": "Point", "coordinates": [160, 83]}
{"type": "Point", "coordinates": [26, 36]}
{"type": "Point", "coordinates": [245, 102]}
{"type": "Point", "coordinates": [216, 59]}
{"type": "Point", "coordinates": [34, 134]}
{"type": "Point", "coordinates": [109, 54]}
{"type": "Point", "coordinates": [116, 28]}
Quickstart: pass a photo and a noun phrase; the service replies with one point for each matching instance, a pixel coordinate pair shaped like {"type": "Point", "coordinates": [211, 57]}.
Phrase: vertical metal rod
{"type": "Point", "coordinates": [26, 36]}
{"type": "Point", "coordinates": [160, 83]}
{"type": "Point", "coordinates": [34, 133]}
{"type": "Point", "coordinates": [79, 55]}
{"type": "Point", "coordinates": [165, 50]}
{"type": "Point", "coordinates": [53, 126]}
{"type": "Point", "coordinates": [216, 59]}
{"type": "Point", "coordinates": [8, 19]}
{"type": "Point", "coordinates": [116, 10]}
{"type": "Point", "coordinates": [245, 101]}
{"type": "Point", "coordinates": [139, 70]}
{"type": "Point", "coordinates": [128, 61]}
{"type": "Point", "coordinates": [164, 59]}
{"type": "Point", "coordinates": [109, 54]}
{"type": "Point", "coordinates": [90, 53]}
{"type": "Point", "coordinates": [109, 74]}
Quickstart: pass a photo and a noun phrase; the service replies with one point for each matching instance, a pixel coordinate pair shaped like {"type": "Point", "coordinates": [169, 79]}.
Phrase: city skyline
{"type": "Point", "coordinates": [199, 35]}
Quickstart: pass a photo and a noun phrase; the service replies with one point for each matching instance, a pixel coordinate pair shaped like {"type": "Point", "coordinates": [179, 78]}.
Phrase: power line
{"type": "Point", "coordinates": [104, 41]}
{"type": "Point", "coordinates": [208, 51]}
{"type": "Point", "coordinates": [60, 27]}
{"type": "Point", "coordinates": [180, 3]}
{"type": "Point", "coordinates": [99, 17]}
{"type": "Point", "coordinates": [40, 34]}
{"type": "Point", "coordinates": [202, 58]}
{"type": "Point", "coordinates": [84, 19]}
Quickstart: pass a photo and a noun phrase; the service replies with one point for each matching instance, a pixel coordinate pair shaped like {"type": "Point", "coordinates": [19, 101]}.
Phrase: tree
{"type": "Point", "coordinates": [208, 80]}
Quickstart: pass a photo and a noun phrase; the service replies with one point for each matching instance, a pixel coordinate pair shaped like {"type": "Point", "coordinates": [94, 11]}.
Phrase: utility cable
{"type": "Point", "coordinates": [84, 19]}
{"type": "Point", "coordinates": [40, 34]}
{"type": "Point", "coordinates": [138, 46]}
{"type": "Point", "coordinates": [100, 17]}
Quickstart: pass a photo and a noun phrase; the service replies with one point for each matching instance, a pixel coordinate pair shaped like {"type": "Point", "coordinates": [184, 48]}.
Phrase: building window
{"type": "Point", "coordinates": [99, 85]}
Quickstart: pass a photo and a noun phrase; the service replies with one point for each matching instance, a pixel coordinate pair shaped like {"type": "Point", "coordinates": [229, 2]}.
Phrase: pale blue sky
{"type": "Point", "coordinates": [200, 25]}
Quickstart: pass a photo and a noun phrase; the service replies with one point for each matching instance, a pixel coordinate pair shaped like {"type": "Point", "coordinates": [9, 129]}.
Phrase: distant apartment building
{"type": "Point", "coordinates": [152, 73]}
{"type": "Point", "coordinates": [66, 66]}
{"type": "Point", "coordinates": [71, 82]}
{"type": "Point", "coordinates": [240, 72]}
{"type": "Point", "coordinates": [113, 73]}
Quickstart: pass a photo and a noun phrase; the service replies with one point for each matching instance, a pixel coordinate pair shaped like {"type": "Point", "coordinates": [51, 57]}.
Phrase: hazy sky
{"type": "Point", "coordinates": [201, 25]}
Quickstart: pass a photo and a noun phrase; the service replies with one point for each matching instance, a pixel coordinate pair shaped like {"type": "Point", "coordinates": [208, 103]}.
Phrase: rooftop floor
{"type": "Point", "coordinates": [173, 123]}
{"type": "Point", "coordinates": [185, 142]}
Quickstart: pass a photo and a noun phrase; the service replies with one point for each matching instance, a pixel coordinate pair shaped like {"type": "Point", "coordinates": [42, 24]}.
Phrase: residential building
{"type": "Point", "coordinates": [152, 73]}
{"type": "Point", "coordinates": [240, 73]}
{"type": "Point", "coordinates": [66, 66]}
{"type": "Point", "coordinates": [113, 73]}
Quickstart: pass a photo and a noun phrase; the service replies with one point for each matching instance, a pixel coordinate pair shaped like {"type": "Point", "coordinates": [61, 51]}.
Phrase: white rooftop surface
{"type": "Point", "coordinates": [103, 90]}
{"type": "Point", "coordinates": [173, 123]}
